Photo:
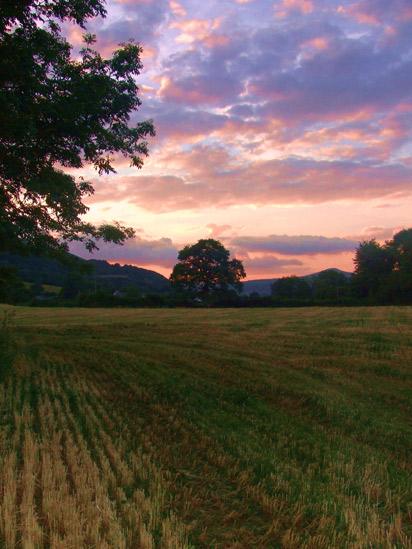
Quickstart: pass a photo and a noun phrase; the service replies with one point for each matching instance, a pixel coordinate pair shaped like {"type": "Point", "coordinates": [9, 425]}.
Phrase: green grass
{"type": "Point", "coordinates": [49, 288]}
{"type": "Point", "coordinates": [235, 428]}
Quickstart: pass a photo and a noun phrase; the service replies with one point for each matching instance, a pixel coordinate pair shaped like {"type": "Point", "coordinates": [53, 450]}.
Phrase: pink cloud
{"type": "Point", "coordinates": [137, 251]}
{"type": "Point", "coordinates": [210, 177]}
{"type": "Point", "coordinates": [216, 231]}
{"type": "Point", "coordinates": [177, 9]}
{"type": "Point", "coordinates": [287, 6]}
{"type": "Point", "coordinates": [270, 265]}
{"type": "Point", "coordinates": [288, 245]}
{"type": "Point", "coordinates": [361, 15]}
{"type": "Point", "coordinates": [196, 30]}
{"type": "Point", "coordinates": [196, 94]}
{"type": "Point", "coordinates": [379, 233]}
{"type": "Point", "coordinates": [252, 110]}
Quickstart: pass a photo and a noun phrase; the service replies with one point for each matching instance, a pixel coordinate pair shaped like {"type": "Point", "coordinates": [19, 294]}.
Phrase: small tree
{"type": "Point", "coordinates": [205, 268]}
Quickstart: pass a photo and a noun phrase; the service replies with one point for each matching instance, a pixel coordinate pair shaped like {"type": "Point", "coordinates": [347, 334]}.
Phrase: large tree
{"type": "Point", "coordinates": [400, 249]}
{"type": "Point", "coordinates": [373, 267]}
{"type": "Point", "coordinates": [383, 272]}
{"type": "Point", "coordinates": [59, 111]}
{"type": "Point", "coordinates": [205, 268]}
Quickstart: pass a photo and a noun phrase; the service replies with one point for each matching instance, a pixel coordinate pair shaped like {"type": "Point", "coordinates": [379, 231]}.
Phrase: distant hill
{"type": "Point", "coordinates": [263, 286]}
{"type": "Point", "coordinates": [95, 273]}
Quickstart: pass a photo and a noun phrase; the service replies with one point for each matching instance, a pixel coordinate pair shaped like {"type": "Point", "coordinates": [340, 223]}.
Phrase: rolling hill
{"type": "Point", "coordinates": [102, 274]}
{"type": "Point", "coordinates": [263, 286]}
{"type": "Point", "coordinates": [93, 273]}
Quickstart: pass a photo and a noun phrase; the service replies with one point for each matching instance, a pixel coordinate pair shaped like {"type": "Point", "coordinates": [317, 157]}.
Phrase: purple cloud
{"type": "Point", "coordinates": [293, 245]}
{"type": "Point", "coordinates": [216, 179]}
{"type": "Point", "coordinates": [139, 251]}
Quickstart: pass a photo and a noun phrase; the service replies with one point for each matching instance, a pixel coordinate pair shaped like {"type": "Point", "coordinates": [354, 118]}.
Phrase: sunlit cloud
{"type": "Point", "coordinates": [286, 7]}
{"type": "Point", "coordinates": [196, 30]}
{"type": "Point", "coordinates": [136, 251]}
{"type": "Point", "coordinates": [293, 245]}
{"type": "Point", "coordinates": [278, 103]}
{"type": "Point", "coordinates": [177, 9]}
{"type": "Point", "coordinates": [211, 177]}
{"type": "Point", "coordinates": [217, 231]}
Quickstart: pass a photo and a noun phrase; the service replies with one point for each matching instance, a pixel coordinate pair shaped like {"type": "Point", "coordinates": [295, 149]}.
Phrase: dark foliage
{"type": "Point", "coordinates": [291, 287]}
{"type": "Point", "coordinates": [383, 273]}
{"type": "Point", "coordinates": [12, 288]}
{"type": "Point", "coordinates": [76, 277]}
{"type": "Point", "coordinates": [57, 112]}
{"type": "Point", "coordinates": [205, 269]}
{"type": "Point", "coordinates": [330, 284]}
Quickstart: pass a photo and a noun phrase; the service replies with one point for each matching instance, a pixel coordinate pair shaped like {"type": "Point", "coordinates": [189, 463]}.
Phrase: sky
{"type": "Point", "coordinates": [283, 130]}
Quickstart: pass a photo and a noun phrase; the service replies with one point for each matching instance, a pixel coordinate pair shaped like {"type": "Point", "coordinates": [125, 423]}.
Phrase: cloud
{"type": "Point", "coordinates": [138, 20]}
{"type": "Point", "coordinates": [177, 9]}
{"type": "Point", "coordinates": [307, 71]}
{"type": "Point", "coordinates": [288, 7]}
{"type": "Point", "coordinates": [138, 251]}
{"type": "Point", "coordinates": [378, 12]}
{"type": "Point", "coordinates": [268, 103]}
{"type": "Point", "coordinates": [216, 231]}
{"type": "Point", "coordinates": [210, 177]}
{"type": "Point", "coordinates": [180, 123]}
{"type": "Point", "coordinates": [198, 30]}
{"type": "Point", "coordinates": [205, 76]}
{"type": "Point", "coordinates": [293, 245]}
{"type": "Point", "coordinates": [338, 81]}
{"type": "Point", "coordinates": [267, 264]}
{"type": "Point", "coordinates": [379, 233]}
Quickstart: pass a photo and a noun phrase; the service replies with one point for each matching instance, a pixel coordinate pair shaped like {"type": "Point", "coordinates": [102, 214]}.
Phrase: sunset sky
{"type": "Point", "coordinates": [283, 129]}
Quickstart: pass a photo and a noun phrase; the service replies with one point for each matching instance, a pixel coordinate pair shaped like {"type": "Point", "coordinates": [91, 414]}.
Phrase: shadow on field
{"type": "Point", "coordinates": [6, 344]}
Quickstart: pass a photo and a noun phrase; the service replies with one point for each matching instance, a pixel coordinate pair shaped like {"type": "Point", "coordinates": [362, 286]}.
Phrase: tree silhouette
{"type": "Point", "coordinates": [205, 268]}
{"type": "Point", "coordinates": [383, 272]}
{"type": "Point", "coordinates": [291, 287]}
{"type": "Point", "coordinates": [58, 112]}
{"type": "Point", "coordinates": [373, 267]}
{"type": "Point", "coordinates": [330, 284]}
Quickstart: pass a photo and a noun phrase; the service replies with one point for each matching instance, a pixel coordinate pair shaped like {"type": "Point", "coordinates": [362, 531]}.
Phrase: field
{"type": "Point", "coordinates": [206, 428]}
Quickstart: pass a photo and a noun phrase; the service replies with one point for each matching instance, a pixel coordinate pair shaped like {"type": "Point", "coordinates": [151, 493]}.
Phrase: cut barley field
{"type": "Point", "coordinates": [206, 428]}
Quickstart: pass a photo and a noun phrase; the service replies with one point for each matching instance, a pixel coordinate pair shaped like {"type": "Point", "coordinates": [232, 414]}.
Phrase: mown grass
{"type": "Point", "coordinates": [208, 428]}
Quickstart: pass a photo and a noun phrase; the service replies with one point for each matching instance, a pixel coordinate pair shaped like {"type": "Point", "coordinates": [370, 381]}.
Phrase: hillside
{"type": "Point", "coordinates": [93, 273]}
{"type": "Point", "coordinates": [207, 428]}
{"type": "Point", "coordinates": [264, 286]}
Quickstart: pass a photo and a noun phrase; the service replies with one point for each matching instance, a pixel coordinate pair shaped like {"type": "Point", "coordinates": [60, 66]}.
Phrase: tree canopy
{"type": "Point", "coordinates": [330, 284]}
{"type": "Point", "coordinates": [291, 287]}
{"type": "Point", "coordinates": [383, 272]}
{"type": "Point", "coordinates": [205, 268]}
{"type": "Point", "coordinates": [58, 111]}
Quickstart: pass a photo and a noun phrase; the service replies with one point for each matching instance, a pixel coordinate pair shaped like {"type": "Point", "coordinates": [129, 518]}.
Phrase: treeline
{"type": "Point", "coordinates": [328, 287]}
{"type": "Point", "coordinates": [382, 276]}
{"type": "Point", "coordinates": [78, 290]}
